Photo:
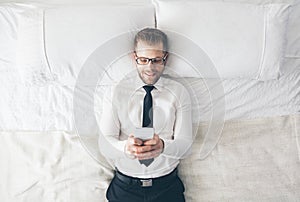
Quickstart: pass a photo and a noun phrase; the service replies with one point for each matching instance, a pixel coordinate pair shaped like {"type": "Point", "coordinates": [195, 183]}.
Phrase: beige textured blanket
{"type": "Point", "coordinates": [255, 160]}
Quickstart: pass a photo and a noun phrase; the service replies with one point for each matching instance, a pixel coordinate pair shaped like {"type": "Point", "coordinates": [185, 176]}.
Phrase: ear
{"type": "Point", "coordinates": [133, 55]}
{"type": "Point", "coordinates": [166, 57]}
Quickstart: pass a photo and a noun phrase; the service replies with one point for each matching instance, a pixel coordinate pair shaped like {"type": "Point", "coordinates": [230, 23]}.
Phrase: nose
{"type": "Point", "coordinates": [150, 65]}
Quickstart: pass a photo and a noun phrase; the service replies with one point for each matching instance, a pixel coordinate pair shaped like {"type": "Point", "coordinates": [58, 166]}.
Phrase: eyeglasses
{"type": "Point", "coordinates": [155, 61]}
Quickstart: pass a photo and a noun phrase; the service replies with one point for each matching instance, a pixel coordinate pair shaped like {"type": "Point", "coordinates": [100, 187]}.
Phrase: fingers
{"type": "Point", "coordinates": [155, 140]}
{"type": "Point", "coordinates": [134, 141]}
{"type": "Point", "coordinates": [136, 148]}
{"type": "Point", "coordinates": [129, 151]}
{"type": "Point", "coordinates": [133, 147]}
{"type": "Point", "coordinates": [139, 150]}
{"type": "Point", "coordinates": [148, 155]}
{"type": "Point", "coordinates": [155, 151]}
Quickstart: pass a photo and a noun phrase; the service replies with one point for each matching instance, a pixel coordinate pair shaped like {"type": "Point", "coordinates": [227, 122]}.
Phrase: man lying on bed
{"type": "Point", "coordinates": [149, 122]}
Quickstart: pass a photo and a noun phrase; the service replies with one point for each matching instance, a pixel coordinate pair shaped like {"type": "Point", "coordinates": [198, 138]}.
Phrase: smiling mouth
{"type": "Point", "coordinates": [150, 74]}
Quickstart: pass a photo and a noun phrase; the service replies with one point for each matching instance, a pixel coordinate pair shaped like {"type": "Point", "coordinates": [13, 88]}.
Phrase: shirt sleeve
{"type": "Point", "coordinates": [180, 146]}
{"type": "Point", "coordinates": [109, 127]}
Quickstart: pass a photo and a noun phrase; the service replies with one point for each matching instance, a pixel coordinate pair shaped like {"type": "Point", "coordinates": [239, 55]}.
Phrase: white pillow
{"type": "Point", "coordinates": [293, 26]}
{"type": "Point", "coordinates": [31, 57]}
{"type": "Point", "coordinates": [259, 1]}
{"type": "Point", "coordinates": [73, 33]}
{"type": "Point", "coordinates": [72, 2]}
{"type": "Point", "coordinates": [293, 32]}
{"type": "Point", "coordinates": [8, 36]}
{"type": "Point", "coordinates": [10, 15]}
{"type": "Point", "coordinates": [242, 40]}
{"type": "Point", "coordinates": [22, 55]}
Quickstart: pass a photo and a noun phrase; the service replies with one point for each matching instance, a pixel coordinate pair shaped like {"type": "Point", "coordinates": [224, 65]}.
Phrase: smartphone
{"type": "Point", "coordinates": [144, 133]}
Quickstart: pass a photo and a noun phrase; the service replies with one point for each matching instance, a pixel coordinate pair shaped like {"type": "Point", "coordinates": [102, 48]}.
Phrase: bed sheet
{"type": "Point", "coordinates": [255, 160]}
{"type": "Point", "coordinates": [49, 106]}
{"type": "Point", "coordinates": [248, 99]}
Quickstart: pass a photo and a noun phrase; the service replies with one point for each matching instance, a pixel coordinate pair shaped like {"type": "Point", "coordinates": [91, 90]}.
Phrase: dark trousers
{"type": "Point", "coordinates": [171, 189]}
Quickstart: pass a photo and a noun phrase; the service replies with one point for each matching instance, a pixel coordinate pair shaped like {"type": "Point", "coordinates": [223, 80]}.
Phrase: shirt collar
{"type": "Point", "coordinates": [139, 83]}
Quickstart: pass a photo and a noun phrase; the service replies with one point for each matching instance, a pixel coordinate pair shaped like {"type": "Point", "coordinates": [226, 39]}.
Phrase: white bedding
{"type": "Point", "coordinates": [248, 99]}
{"type": "Point", "coordinates": [49, 106]}
{"type": "Point", "coordinates": [255, 160]}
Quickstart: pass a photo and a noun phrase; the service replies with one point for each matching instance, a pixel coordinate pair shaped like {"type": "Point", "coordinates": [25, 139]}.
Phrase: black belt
{"type": "Point", "coordinates": [148, 182]}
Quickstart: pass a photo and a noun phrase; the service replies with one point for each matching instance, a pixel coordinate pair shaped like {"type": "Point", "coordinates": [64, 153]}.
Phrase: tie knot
{"type": "Point", "coordinates": [148, 89]}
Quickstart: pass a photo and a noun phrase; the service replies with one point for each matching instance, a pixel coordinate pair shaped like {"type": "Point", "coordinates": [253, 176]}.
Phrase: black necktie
{"type": "Point", "coordinates": [147, 116]}
{"type": "Point", "coordinates": [147, 107]}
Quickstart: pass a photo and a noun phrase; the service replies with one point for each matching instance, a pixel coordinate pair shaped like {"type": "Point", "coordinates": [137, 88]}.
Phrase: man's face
{"type": "Point", "coordinates": [151, 72]}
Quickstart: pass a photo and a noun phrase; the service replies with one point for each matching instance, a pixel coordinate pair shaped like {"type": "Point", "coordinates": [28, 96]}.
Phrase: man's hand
{"type": "Point", "coordinates": [148, 149]}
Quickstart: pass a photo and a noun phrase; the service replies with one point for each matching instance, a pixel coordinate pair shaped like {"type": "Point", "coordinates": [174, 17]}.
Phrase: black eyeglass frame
{"type": "Point", "coordinates": [164, 58]}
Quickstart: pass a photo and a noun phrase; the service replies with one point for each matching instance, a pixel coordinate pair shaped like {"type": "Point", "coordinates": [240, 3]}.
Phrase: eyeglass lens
{"type": "Point", "coordinates": [145, 61]}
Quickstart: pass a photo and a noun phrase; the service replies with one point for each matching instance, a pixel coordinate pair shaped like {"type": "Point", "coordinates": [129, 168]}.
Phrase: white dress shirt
{"type": "Point", "coordinates": [122, 113]}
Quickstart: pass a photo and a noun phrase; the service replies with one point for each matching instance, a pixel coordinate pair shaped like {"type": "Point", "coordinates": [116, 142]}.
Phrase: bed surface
{"type": "Point", "coordinates": [255, 160]}
{"type": "Point", "coordinates": [43, 158]}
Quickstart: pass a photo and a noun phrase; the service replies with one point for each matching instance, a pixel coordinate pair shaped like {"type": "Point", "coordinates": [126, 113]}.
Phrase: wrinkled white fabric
{"type": "Point", "coordinates": [255, 160]}
{"type": "Point", "coordinates": [51, 106]}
